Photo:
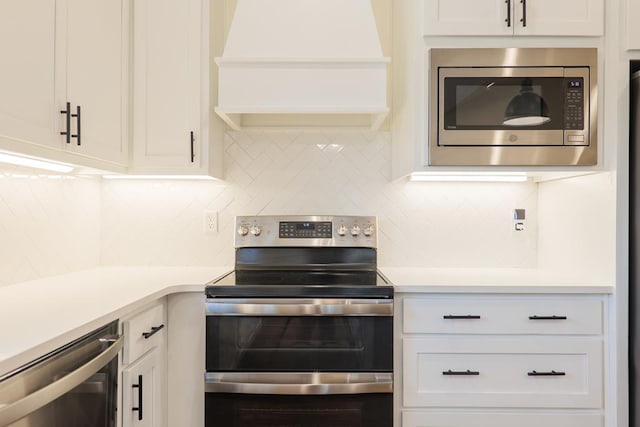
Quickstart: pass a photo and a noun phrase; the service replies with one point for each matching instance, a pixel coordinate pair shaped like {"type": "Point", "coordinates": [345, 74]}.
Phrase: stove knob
{"type": "Point", "coordinates": [255, 230]}
{"type": "Point", "coordinates": [243, 230]}
{"type": "Point", "coordinates": [368, 230]}
{"type": "Point", "coordinates": [355, 230]}
{"type": "Point", "coordinates": [342, 230]}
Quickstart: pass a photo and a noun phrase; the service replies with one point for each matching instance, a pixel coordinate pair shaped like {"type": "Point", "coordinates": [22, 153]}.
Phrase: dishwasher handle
{"type": "Point", "coordinates": [16, 410]}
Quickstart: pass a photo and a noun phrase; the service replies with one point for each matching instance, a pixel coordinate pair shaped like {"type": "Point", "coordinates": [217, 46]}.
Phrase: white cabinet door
{"type": "Point", "coordinates": [559, 18]}
{"type": "Point", "coordinates": [28, 98]}
{"type": "Point", "coordinates": [484, 419]}
{"type": "Point", "coordinates": [468, 17]}
{"type": "Point", "coordinates": [519, 17]}
{"type": "Point", "coordinates": [96, 67]}
{"type": "Point", "coordinates": [633, 29]}
{"type": "Point", "coordinates": [141, 391]}
{"type": "Point", "coordinates": [167, 91]}
{"type": "Point", "coordinates": [517, 372]}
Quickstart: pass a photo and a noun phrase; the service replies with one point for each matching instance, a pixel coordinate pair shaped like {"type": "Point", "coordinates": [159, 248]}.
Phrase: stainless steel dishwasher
{"type": "Point", "coordinates": [73, 386]}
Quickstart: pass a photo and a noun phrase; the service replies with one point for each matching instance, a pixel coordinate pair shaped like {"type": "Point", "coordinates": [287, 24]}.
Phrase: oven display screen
{"type": "Point", "coordinates": [305, 230]}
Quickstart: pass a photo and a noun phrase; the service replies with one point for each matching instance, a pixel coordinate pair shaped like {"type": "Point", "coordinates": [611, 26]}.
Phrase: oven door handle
{"type": "Point", "coordinates": [299, 307]}
{"type": "Point", "coordinates": [34, 401]}
{"type": "Point", "coordinates": [295, 383]}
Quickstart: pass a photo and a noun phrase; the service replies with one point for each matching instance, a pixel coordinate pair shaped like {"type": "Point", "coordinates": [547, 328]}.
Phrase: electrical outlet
{"type": "Point", "coordinates": [210, 222]}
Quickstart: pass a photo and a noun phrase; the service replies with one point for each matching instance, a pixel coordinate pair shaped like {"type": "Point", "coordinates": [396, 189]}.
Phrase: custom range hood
{"type": "Point", "coordinates": [300, 63]}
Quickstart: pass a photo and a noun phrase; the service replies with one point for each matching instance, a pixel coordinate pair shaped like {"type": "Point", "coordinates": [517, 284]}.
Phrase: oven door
{"type": "Point", "coordinates": [299, 362]}
{"type": "Point", "coordinates": [237, 410]}
{"type": "Point", "coordinates": [299, 335]}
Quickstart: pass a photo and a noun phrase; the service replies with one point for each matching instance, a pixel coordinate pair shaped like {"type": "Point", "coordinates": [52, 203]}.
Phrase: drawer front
{"type": "Point", "coordinates": [143, 332]}
{"type": "Point", "coordinates": [552, 372]}
{"type": "Point", "coordinates": [503, 315]}
{"type": "Point", "coordinates": [479, 419]}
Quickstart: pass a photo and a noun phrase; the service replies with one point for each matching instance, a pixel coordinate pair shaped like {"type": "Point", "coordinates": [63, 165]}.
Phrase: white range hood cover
{"type": "Point", "coordinates": [287, 59]}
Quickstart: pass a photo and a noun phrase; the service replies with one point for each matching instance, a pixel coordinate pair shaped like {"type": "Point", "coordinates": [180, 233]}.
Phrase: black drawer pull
{"type": "Point", "coordinates": [464, 316]}
{"type": "Point", "coordinates": [140, 394]}
{"type": "Point", "coordinates": [546, 374]}
{"type": "Point", "coordinates": [547, 317]}
{"type": "Point", "coordinates": [467, 372]}
{"type": "Point", "coordinates": [153, 330]}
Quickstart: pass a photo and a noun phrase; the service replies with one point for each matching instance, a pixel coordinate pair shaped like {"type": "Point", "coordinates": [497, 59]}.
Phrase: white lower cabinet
{"type": "Point", "coordinates": [502, 360]}
{"type": "Point", "coordinates": [144, 368]}
{"type": "Point", "coordinates": [522, 419]}
{"type": "Point", "coordinates": [141, 388]}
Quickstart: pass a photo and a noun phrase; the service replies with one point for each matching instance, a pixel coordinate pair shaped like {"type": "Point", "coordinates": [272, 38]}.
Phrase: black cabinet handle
{"type": "Point", "coordinates": [139, 407]}
{"type": "Point", "coordinates": [192, 140]}
{"type": "Point", "coordinates": [78, 134]}
{"type": "Point", "coordinates": [153, 330]}
{"type": "Point", "coordinates": [547, 317]}
{"type": "Point", "coordinates": [463, 316]}
{"type": "Point", "coordinates": [524, 13]}
{"type": "Point", "coordinates": [508, 20]}
{"type": "Point", "coordinates": [467, 372]}
{"type": "Point", "coordinates": [546, 374]}
{"type": "Point", "coordinates": [67, 132]}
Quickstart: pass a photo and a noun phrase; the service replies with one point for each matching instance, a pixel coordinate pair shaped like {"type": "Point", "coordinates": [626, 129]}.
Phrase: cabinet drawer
{"type": "Point", "coordinates": [143, 332]}
{"type": "Point", "coordinates": [553, 372]}
{"type": "Point", "coordinates": [480, 419]}
{"type": "Point", "coordinates": [503, 315]}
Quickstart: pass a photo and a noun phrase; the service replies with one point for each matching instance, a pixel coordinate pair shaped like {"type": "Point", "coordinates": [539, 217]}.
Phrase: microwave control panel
{"type": "Point", "coordinates": [574, 103]}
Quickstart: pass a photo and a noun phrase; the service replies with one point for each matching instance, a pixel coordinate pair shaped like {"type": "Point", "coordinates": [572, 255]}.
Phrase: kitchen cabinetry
{"type": "Point", "coordinates": [171, 88]}
{"type": "Point", "coordinates": [143, 372]}
{"type": "Point", "coordinates": [75, 52]}
{"type": "Point", "coordinates": [475, 360]}
{"type": "Point", "coordinates": [514, 17]}
{"type": "Point", "coordinates": [633, 29]}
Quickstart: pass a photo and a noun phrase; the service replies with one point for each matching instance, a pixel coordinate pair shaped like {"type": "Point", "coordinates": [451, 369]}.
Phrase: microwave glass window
{"type": "Point", "coordinates": [504, 103]}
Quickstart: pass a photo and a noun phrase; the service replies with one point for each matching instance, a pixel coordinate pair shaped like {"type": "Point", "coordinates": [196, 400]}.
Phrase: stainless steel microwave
{"type": "Point", "coordinates": [513, 107]}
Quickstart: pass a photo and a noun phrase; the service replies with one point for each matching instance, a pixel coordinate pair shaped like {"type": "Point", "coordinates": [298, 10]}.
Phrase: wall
{"type": "Point", "coordinates": [576, 226]}
{"type": "Point", "coordinates": [48, 224]}
{"type": "Point", "coordinates": [421, 224]}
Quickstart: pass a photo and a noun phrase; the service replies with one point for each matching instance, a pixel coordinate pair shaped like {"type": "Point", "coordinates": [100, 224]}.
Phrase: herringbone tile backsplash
{"type": "Point", "coordinates": [53, 225]}
{"type": "Point", "coordinates": [420, 224]}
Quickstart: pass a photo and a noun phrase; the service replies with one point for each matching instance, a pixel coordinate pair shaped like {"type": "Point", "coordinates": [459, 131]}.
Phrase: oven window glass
{"type": "Point", "coordinates": [246, 410]}
{"type": "Point", "coordinates": [485, 103]}
{"type": "Point", "coordinates": [304, 343]}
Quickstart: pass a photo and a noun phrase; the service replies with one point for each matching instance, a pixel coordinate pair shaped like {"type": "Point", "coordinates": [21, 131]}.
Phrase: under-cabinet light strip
{"type": "Point", "coordinates": [183, 177]}
{"type": "Point", "coordinates": [31, 162]}
{"type": "Point", "coordinates": [468, 177]}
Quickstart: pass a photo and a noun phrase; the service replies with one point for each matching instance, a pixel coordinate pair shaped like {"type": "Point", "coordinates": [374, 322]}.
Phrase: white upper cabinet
{"type": "Point", "coordinates": [170, 87]}
{"type": "Point", "coordinates": [514, 17]}
{"type": "Point", "coordinates": [71, 51]}
{"type": "Point", "coordinates": [96, 77]}
{"type": "Point", "coordinates": [28, 104]}
{"type": "Point", "coordinates": [633, 29]}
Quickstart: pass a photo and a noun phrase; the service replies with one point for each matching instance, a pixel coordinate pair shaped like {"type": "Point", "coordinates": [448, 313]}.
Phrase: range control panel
{"type": "Point", "coordinates": [346, 231]}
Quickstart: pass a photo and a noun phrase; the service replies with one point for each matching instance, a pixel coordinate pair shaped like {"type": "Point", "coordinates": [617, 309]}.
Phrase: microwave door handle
{"type": "Point", "coordinates": [299, 383]}
{"type": "Point", "coordinates": [34, 401]}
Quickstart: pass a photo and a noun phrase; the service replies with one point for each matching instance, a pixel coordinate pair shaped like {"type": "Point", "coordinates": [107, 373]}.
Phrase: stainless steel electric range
{"type": "Point", "coordinates": [301, 332]}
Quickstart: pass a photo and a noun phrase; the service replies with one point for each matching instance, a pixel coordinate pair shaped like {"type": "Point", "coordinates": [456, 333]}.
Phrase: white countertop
{"type": "Point", "coordinates": [42, 315]}
{"type": "Point", "coordinates": [492, 280]}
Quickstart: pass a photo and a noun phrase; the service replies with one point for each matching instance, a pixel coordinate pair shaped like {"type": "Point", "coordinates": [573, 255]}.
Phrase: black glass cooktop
{"type": "Point", "coordinates": [300, 283]}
